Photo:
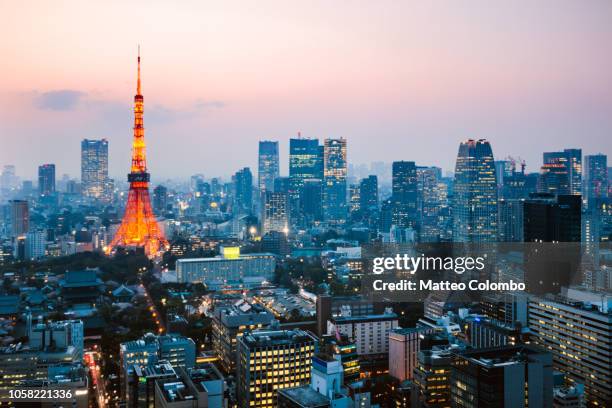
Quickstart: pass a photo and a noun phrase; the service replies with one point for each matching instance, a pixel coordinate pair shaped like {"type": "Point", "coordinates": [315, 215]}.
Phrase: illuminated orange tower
{"type": "Point", "coordinates": [139, 227]}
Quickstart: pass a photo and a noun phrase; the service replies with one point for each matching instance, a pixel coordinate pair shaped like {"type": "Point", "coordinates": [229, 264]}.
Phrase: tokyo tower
{"type": "Point", "coordinates": [139, 227]}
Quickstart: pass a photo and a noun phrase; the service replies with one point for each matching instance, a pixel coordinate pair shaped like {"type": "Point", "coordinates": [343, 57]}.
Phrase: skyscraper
{"type": "Point", "coordinates": [510, 220]}
{"type": "Point", "coordinates": [94, 168]}
{"type": "Point", "coordinates": [567, 166]}
{"type": "Point", "coordinates": [305, 163]}
{"type": "Point", "coordinates": [549, 218]}
{"type": "Point", "coordinates": [429, 203]}
{"type": "Point", "coordinates": [475, 193]}
{"type": "Point", "coordinates": [595, 177]}
{"type": "Point", "coordinates": [368, 194]}
{"type": "Point", "coordinates": [20, 217]}
{"type": "Point", "coordinates": [46, 179]}
{"type": "Point", "coordinates": [276, 212]}
{"type": "Point", "coordinates": [312, 200]}
{"type": "Point", "coordinates": [334, 182]}
{"type": "Point", "coordinates": [268, 169]}
{"type": "Point", "coordinates": [404, 194]}
{"type": "Point", "coordinates": [243, 191]}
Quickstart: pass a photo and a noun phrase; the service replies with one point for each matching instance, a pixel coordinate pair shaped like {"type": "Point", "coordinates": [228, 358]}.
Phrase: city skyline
{"type": "Point", "coordinates": [428, 76]}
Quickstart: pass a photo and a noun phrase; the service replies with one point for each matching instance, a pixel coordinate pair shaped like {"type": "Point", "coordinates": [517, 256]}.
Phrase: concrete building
{"type": "Point", "coordinates": [519, 376]}
{"type": "Point", "coordinates": [269, 361]}
{"type": "Point", "coordinates": [578, 336]}
{"type": "Point", "coordinates": [229, 323]}
{"type": "Point", "coordinates": [370, 332]}
{"type": "Point", "coordinates": [230, 266]}
{"type": "Point", "coordinates": [404, 347]}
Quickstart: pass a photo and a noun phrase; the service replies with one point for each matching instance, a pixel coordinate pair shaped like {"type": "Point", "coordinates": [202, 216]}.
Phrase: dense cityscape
{"type": "Point", "coordinates": [247, 292]}
{"type": "Point", "coordinates": [288, 283]}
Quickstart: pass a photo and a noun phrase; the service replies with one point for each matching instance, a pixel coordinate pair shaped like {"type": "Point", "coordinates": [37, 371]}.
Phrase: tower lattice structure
{"type": "Point", "coordinates": [139, 227]}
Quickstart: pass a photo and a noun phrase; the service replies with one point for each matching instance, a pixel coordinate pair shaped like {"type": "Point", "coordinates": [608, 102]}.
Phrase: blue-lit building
{"type": "Point", "coordinates": [475, 193]}
{"type": "Point", "coordinates": [334, 181]}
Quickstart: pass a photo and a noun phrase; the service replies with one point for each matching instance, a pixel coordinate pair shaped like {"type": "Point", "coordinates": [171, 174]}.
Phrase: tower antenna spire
{"type": "Point", "coordinates": [138, 86]}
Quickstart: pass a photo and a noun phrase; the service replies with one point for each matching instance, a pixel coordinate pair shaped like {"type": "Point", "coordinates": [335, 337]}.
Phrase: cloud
{"type": "Point", "coordinates": [204, 104]}
{"type": "Point", "coordinates": [61, 100]}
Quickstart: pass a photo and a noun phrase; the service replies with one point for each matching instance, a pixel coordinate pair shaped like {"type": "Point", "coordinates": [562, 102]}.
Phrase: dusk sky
{"type": "Point", "coordinates": [401, 80]}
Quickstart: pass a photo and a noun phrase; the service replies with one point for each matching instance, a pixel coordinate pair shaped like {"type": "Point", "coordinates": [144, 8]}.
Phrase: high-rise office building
{"type": "Point", "coordinates": [268, 168]}
{"type": "Point", "coordinates": [305, 161]}
{"type": "Point", "coordinates": [475, 193]}
{"type": "Point", "coordinates": [94, 168]}
{"type": "Point", "coordinates": [511, 376]}
{"type": "Point", "coordinates": [334, 182]}
{"type": "Point", "coordinates": [562, 171]}
{"type": "Point", "coordinates": [271, 360]}
{"type": "Point", "coordinates": [550, 218]}
{"type": "Point", "coordinates": [404, 347]}
{"type": "Point", "coordinates": [404, 194]}
{"type": "Point", "coordinates": [160, 199]}
{"type": "Point", "coordinates": [243, 191]}
{"type": "Point", "coordinates": [368, 194]}
{"type": "Point", "coordinates": [578, 336]}
{"type": "Point", "coordinates": [432, 379]}
{"type": "Point", "coordinates": [554, 179]}
{"type": "Point", "coordinates": [229, 323]}
{"type": "Point", "coordinates": [595, 177]}
{"type": "Point", "coordinates": [275, 212]}
{"type": "Point", "coordinates": [429, 202]}
{"type": "Point", "coordinates": [46, 179]}
{"type": "Point", "coordinates": [510, 220]}
{"type": "Point", "coordinates": [20, 217]}
{"type": "Point", "coordinates": [312, 200]}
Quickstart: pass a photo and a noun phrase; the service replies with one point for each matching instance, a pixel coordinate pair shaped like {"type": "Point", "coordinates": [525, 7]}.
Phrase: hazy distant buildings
{"type": "Point", "coordinates": [20, 217]}
{"type": "Point", "coordinates": [46, 179]}
{"type": "Point", "coordinates": [475, 193]}
{"type": "Point", "coordinates": [268, 166]}
{"type": "Point", "coordinates": [160, 199]}
{"type": "Point", "coordinates": [94, 168]}
{"type": "Point", "coordinates": [334, 182]}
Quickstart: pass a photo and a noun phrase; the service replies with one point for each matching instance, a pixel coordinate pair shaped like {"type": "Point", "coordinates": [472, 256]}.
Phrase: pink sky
{"type": "Point", "coordinates": [398, 79]}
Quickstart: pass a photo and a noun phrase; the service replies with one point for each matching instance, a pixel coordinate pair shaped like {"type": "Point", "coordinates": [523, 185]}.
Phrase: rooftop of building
{"type": "Point", "coordinates": [364, 318]}
{"type": "Point", "coordinates": [175, 390]}
{"type": "Point", "coordinates": [501, 356]}
{"type": "Point", "coordinates": [305, 397]}
{"type": "Point", "coordinates": [266, 338]}
{"type": "Point", "coordinates": [241, 257]}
